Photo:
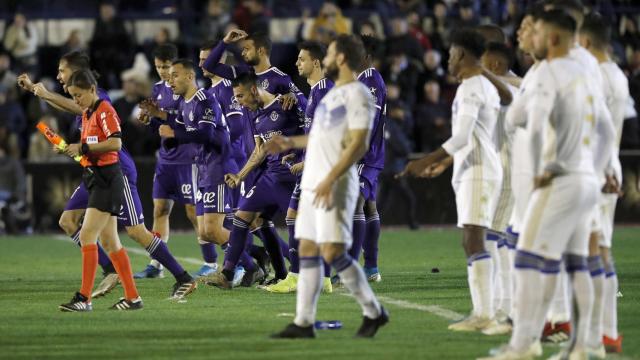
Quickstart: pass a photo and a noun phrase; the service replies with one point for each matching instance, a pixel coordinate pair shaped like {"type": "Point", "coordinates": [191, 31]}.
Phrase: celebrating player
{"type": "Point", "coordinates": [477, 173]}
{"type": "Point", "coordinates": [338, 138]}
{"type": "Point", "coordinates": [309, 65]}
{"type": "Point", "coordinates": [99, 145]}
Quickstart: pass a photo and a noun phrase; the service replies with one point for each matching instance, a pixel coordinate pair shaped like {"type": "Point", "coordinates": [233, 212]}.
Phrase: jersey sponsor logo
{"type": "Point", "coordinates": [264, 84]}
{"type": "Point", "coordinates": [92, 139]}
{"type": "Point", "coordinates": [293, 88]}
{"type": "Point", "coordinates": [208, 197]}
{"type": "Point", "coordinates": [268, 135]}
{"type": "Point", "coordinates": [235, 104]}
{"type": "Point", "coordinates": [208, 114]}
{"type": "Point", "coordinates": [274, 116]}
{"type": "Point", "coordinates": [186, 189]}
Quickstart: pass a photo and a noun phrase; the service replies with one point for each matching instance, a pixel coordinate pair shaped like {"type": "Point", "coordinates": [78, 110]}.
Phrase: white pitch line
{"type": "Point", "coordinates": [432, 309]}
{"type": "Point", "coordinates": [141, 252]}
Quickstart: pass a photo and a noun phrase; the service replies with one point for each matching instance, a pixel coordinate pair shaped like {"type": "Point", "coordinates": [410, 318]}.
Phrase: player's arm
{"type": "Point", "coordinates": [539, 108]}
{"type": "Point", "coordinates": [280, 143]}
{"type": "Point", "coordinates": [110, 125]}
{"type": "Point", "coordinates": [606, 139]}
{"type": "Point", "coordinates": [516, 114]}
{"type": "Point", "coordinates": [213, 65]}
{"type": "Point", "coordinates": [503, 91]}
{"type": "Point", "coordinates": [257, 157]}
{"type": "Point", "coordinates": [58, 101]}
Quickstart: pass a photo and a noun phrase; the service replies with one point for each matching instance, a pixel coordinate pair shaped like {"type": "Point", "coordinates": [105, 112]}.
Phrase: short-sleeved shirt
{"type": "Point", "coordinates": [169, 102]}
{"type": "Point", "coordinates": [98, 124]}
{"type": "Point", "coordinates": [318, 91]}
{"type": "Point", "coordinates": [272, 120]}
{"type": "Point", "coordinates": [343, 108]}
{"type": "Point", "coordinates": [232, 111]}
{"type": "Point", "coordinates": [372, 79]}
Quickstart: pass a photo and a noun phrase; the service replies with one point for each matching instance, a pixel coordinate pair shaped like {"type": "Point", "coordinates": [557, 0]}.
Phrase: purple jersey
{"type": "Point", "coordinates": [200, 121]}
{"type": "Point", "coordinates": [232, 111]}
{"type": "Point", "coordinates": [318, 91]}
{"type": "Point", "coordinates": [373, 80]}
{"type": "Point", "coordinates": [126, 161]}
{"type": "Point", "coordinates": [273, 80]}
{"type": "Point", "coordinates": [169, 102]}
{"type": "Point", "coordinates": [273, 120]}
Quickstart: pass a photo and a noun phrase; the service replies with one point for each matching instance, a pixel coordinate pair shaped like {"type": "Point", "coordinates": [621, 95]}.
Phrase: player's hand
{"type": "Point", "coordinates": [277, 144]}
{"type": "Point", "coordinates": [288, 101]}
{"type": "Point", "coordinates": [40, 90]}
{"type": "Point", "coordinates": [324, 194]}
{"type": "Point", "coordinates": [72, 150]}
{"type": "Point", "coordinates": [612, 186]}
{"type": "Point", "coordinates": [232, 180]}
{"type": "Point", "coordinates": [296, 169]}
{"type": "Point", "coordinates": [166, 131]}
{"type": "Point", "coordinates": [24, 81]}
{"type": "Point", "coordinates": [415, 168]}
{"type": "Point", "coordinates": [543, 180]}
{"type": "Point", "coordinates": [288, 158]}
{"type": "Point", "coordinates": [434, 170]}
{"type": "Point", "coordinates": [150, 107]}
{"type": "Point", "coordinates": [234, 36]}
{"type": "Point", "coordinates": [144, 118]}
{"type": "Point", "coordinates": [57, 149]}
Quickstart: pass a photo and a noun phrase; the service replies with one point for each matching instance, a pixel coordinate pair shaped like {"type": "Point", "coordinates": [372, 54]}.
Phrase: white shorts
{"type": "Point", "coordinates": [521, 187]}
{"type": "Point", "coordinates": [607, 212]}
{"type": "Point", "coordinates": [557, 217]}
{"type": "Point", "coordinates": [328, 226]}
{"type": "Point", "coordinates": [504, 209]}
{"type": "Point", "coordinates": [476, 201]}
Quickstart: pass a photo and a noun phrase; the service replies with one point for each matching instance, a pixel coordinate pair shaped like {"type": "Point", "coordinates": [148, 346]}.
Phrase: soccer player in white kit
{"type": "Point", "coordinates": [477, 173]}
{"type": "Point", "coordinates": [568, 142]}
{"type": "Point", "coordinates": [594, 36]}
{"type": "Point", "coordinates": [339, 137]}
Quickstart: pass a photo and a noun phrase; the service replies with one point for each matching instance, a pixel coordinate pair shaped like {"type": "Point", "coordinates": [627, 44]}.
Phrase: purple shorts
{"type": "Point", "coordinates": [215, 199]}
{"type": "Point", "coordinates": [268, 195]}
{"type": "Point", "coordinates": [295, 197]}
{"type": "Point", "coordinates": [130, 210]}
{"type": "Point", "coordinates": [176, 182]}
{"type": "Point", "coordinates": [368, 181]}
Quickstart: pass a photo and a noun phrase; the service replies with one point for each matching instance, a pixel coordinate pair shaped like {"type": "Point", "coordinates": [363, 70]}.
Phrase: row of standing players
{"type": "Point", "coordinates": [210, 134]}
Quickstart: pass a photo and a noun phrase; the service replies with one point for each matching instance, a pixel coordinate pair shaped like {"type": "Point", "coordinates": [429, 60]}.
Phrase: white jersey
{"type": "Point", "coordinates": [616, 94]}
{"type": "Point", "coordinates": [562, 120]}
{"type": "Point", "coordinates": [343, 108]}
{"type": "Point", "coordinates": [473, 121]}
{"type": "Point", "coordinates": [504, 140]}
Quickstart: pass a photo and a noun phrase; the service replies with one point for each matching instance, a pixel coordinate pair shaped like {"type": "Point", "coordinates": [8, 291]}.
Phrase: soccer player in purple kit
{"type": "Point", "coordinates": [272, 190]}
{"type": "Point", "coordinates": [309, 65]}
{"type": "Point", "coordinates": [131, 214]}
{"type": "Point", "coordinates": [175, 174]}
{"type": "Point", "coordinates": [366, 221]}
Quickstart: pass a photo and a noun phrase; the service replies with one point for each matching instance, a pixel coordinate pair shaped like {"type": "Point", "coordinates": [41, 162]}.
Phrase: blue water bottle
{"type": "Point", "coordinates": [328, 325]}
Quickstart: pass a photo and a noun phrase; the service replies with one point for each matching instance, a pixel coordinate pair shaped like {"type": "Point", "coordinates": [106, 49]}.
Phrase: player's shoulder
{"type": "Point", "coordinates": [275, 72]}
{"type": "Point", "coordinates": [614, 73]}
{"type": "Point", "coordinates": [103, 94]}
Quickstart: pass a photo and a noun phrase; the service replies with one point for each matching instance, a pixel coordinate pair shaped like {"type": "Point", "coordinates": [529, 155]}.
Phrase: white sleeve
{"type": "Point", "coordinates": [539, 105]}
{"type": "Point", "coordinates": [606, 138]}
{"type": "Point", "coordinates": [467, 113]}
{"type": "Point", "coordinates": [516, 113]}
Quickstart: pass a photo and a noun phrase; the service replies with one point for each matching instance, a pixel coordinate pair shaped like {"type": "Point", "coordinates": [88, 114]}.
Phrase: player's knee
{"type": "Point", "coordinates": [68, 223]}
{"type": "Point", "coordinates": [370, 208]}
{"type": "Point", "coordinates": [291, 213]}
{"type": "Point", "coordinates": [332, 252]}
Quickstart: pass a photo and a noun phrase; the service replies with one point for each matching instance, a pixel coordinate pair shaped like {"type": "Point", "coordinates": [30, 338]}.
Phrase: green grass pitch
{"type": "Point", "coordinates": [39, 272]}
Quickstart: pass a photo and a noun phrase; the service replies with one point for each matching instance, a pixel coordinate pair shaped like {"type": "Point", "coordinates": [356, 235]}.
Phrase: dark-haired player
{"type": "Point", "coordinates": [477, 173]}
{"type": "Point", "coordinates": [272, 190]}
{"type": "Point", "coordinates": [309, 65]}
{"type": "Point", "coordinates": [175, 173]}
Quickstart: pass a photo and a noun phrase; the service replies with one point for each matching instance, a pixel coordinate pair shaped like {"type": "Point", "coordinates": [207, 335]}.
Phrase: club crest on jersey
{"type": "Point", "coordinates": [235, 104]}
{"type": "Point", "coordinates": [176, 97]}
{"type": "Point", "coordinates": [264, 84]}
{"type": "Point", "coordinates": [159, 97]}
{"type": "Point", "coordinates": [274, 116]}
{"type": "Point", "coordinates": [373, 90]}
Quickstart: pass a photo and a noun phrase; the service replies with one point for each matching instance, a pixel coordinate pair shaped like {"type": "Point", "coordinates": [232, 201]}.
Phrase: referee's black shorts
{"type": "Point", "coordinates": [105, 185]}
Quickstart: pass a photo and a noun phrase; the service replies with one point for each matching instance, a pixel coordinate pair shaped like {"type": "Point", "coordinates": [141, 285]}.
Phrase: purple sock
{"type": "Point", "coordinates": [245, 261]}
{"type": "Point", "coordinates": [160, 252]}
{"type": "Point", "coordinates": [327, 269]}
{"type": "Point", "coordinates": [359, 232]}
{"type": "Point", "coordinates": [294, 260]}
{"type": "Point", "coordinates": [274, 249]}
{"type": "Point", "coordinates": [236, 244]}
{"type": "Point", "coordinates": [209, 254]}
{"type": "Point", "coordinates": [370, 245]}
{"type": "Point", "coordinates": [103, 258]}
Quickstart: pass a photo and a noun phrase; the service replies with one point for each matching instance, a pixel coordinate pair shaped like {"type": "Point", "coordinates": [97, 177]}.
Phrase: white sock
{"type": "Point", "coordinates": [512, 256]}
{"type": "Point", "coordinates": [309, 287]}
{"type": "Point", "coordinates": [504, 276]}
{"type": "Point", "coordinates": [560, 310]}
{"type": "Point", "coordinates": [583, 292]}
{"type": "Point", "coordinates": [473, 290]}
{"type": "Point", "coordinates": [155, 264]}
{"type": "Point", "coordinates": [492, 248]}
{"type": "Point", "coordinates": [528, 302]}
{"type": "Point", "coordinates": [354, 279]}
{"type": "Point", "coordinates": [610, 318]}
{"type": "Point", "coordinates": [596, 270]}
{"type": "Point", "coordinates": [481, 267]}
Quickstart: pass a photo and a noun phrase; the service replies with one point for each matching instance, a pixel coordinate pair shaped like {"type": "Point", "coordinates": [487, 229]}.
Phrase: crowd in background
{"type": "Point", "coordinates": [413, 38]}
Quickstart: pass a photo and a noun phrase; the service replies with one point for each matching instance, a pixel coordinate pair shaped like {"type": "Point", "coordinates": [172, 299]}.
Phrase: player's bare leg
{"type": "Point", "coordinates": [161, 212]}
